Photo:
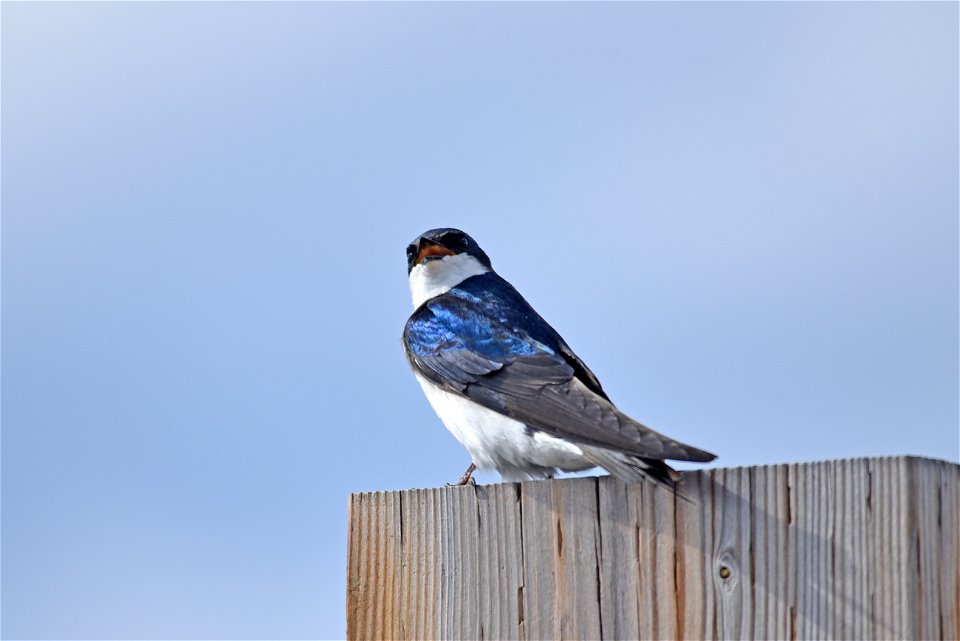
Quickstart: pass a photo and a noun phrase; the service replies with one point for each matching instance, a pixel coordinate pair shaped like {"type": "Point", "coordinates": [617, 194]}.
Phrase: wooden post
{"type": "Point", "coordinates": [852, 549]}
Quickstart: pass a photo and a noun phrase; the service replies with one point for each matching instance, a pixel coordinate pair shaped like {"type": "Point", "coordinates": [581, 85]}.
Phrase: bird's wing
{"type": "Point", "coordinates": [494, 349]}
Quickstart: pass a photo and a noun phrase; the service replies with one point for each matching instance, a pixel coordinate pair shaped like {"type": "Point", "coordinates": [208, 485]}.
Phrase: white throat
{"type": "Point", "coordinates": [436, 277]}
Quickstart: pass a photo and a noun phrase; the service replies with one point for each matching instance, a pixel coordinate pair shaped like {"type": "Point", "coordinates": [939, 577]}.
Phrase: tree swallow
{"type": "Point", "coordinates": [507, 385]}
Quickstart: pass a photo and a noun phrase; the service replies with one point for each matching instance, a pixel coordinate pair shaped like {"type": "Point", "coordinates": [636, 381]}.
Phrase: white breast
{"type": "Point", "coordinates": [436, 277]}
{"type": "Point", "coordinates": [497, 442]}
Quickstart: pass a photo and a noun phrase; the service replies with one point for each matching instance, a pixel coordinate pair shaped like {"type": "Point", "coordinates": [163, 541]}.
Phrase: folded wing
{"type": "Point", "coordinates": [485, 342]}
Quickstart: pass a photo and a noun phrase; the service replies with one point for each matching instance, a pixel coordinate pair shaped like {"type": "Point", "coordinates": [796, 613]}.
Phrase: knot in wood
{"type": "Point", "coordinates": [728, 572]}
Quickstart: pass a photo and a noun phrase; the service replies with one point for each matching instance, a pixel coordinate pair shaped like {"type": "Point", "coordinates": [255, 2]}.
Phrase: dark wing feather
{"type": "Point", "coordinates": [568, 409]}
{"type": "Point", "coordinates": [483, 340]}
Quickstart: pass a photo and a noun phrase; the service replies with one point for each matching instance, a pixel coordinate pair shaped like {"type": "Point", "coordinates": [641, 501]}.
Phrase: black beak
{"type": "Point", "coordinates": [426, 250]}
{"type": "Point", "coordinates": [415, 251]}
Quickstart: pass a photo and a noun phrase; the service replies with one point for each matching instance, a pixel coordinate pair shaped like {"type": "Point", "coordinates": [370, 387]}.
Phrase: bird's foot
{"type": "Point", "coordinates": [467, 477]}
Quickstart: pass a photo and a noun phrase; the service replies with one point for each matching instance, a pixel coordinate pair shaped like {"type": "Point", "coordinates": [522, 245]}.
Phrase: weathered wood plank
{"type": "Point", "coordinates": [422, 546]}
{"type": "Point", "coordinates": [852, 549]}
{"type": "Point", "coordinates": [619, 560]}
{"type": "Point", "coordinates": [540, 592]}
{"type": "Point", "coordinates": [948, 519]}
{"type": "Point", "coordinates": [695, 599]}
{"type": "Point", "coordinates": [578, 558]}
{"type": "Point", "coordinates": [501, 560]}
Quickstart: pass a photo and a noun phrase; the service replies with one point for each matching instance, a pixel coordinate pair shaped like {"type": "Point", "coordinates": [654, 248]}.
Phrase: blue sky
{"type": "Point", "coordinates": [744, 217]}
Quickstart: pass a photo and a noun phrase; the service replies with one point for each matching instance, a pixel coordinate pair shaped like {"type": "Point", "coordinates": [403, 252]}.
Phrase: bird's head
{"type": "Point", "coordinates": [440, 259]}
{"type": "Point", "coordinates": [440, 244]}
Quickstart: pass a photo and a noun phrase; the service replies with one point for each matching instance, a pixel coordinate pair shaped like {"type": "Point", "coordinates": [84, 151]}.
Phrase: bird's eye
{"type": "Point", "coordinates": [411, 250]}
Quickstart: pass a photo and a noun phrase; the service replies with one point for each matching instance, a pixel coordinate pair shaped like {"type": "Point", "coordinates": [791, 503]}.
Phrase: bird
{"type": "Point", "coordinates": [507, 385]}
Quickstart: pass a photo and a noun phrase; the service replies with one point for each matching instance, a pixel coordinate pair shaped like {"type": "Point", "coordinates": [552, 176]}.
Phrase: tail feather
{"type": "Point", "coordinates": [634, 469]}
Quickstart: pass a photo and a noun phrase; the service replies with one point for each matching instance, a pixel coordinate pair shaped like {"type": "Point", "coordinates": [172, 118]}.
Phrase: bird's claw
{"type": "Point", "coordinates": [466, 478]}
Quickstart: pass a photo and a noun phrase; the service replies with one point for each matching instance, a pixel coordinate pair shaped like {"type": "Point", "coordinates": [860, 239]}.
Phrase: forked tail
{"type": "Point", "coordinates": [634, 469]}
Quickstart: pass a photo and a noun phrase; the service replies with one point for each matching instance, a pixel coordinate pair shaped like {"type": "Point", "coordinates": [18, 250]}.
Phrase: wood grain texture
{"type": "Point", "coordinates": [852, 549]}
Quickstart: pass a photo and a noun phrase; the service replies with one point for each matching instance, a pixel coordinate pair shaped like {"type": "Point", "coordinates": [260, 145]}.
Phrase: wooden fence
{"type": "Point", "coordinates": [851, 549]}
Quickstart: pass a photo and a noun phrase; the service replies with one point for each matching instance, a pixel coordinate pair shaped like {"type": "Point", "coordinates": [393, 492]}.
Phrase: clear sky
{"type": "Point", "coordinates": [743, 217]}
